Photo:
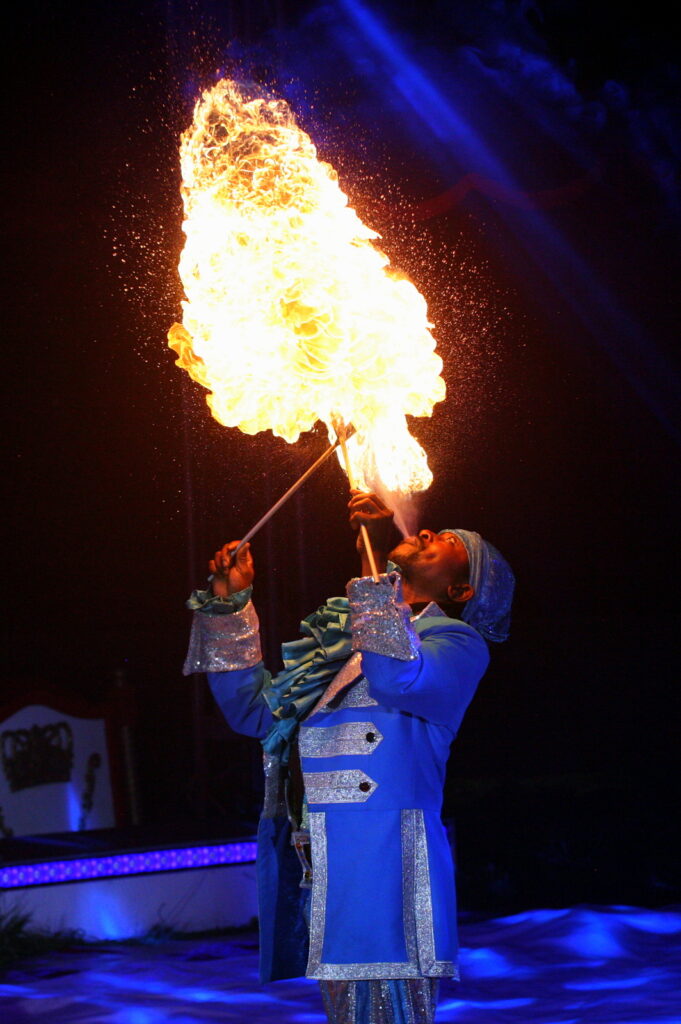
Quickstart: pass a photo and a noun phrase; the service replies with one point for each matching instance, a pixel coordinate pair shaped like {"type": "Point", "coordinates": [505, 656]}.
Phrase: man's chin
{"type": "Point", "coordinates": [405, 551]}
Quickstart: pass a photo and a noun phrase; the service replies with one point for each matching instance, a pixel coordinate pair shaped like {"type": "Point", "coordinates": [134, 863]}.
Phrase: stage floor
{"type": "Point", "coordinates": [582, 965]}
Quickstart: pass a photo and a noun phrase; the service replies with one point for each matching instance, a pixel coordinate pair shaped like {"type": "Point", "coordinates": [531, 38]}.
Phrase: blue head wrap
{"type": "Point", "coordinates": [489, 610]}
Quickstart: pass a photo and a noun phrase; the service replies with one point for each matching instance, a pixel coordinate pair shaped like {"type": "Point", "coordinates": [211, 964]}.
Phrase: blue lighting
{"type": "Point", "coordinates": [200, 980]}
{"type": "Point", "coordinates": [593, 936]}
{"type": "Point", "coordinates": [485, 963]}
{"type": "Point", "coordinates": [535, 917]}
{"type": "Point", "coordinates": [137, 1015]}
{"type": "Point", "coordinates": [492, 1004]}
{"type": "Point", "coordinates": [459, 133]}
{"type": "Point", "coordinates": [83, 869]}
{"type": "Point", "coordinates": [657, 922]}
{"type": "Point", "coordinates": [610, 983]}
{"type": "Point", "coordinates": [422, 96]}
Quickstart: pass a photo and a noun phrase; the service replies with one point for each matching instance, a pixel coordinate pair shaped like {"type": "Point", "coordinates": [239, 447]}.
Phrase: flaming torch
{"type": "Point", "coordinates": [292, 314]}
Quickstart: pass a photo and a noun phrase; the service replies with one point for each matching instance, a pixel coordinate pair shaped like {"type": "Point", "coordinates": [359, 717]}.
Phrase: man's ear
{"type": "Point", "coordinates": [459, 593]}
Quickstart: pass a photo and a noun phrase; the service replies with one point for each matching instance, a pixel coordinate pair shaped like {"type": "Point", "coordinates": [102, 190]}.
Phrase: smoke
{"type": "Point", "coordinates": [596, 87]}
{"type": "Point", "coordinates": [405, 506]}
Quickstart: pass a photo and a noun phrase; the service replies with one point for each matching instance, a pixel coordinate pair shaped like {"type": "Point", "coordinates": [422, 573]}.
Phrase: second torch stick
{"type": "Point", "coordinates": [342, 433]}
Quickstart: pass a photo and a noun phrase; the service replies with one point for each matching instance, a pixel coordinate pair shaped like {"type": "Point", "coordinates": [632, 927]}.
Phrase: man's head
{"type": "Point", "coordinates": [459, 568]}
{"type": "Point", "coordinates": [434, 567]}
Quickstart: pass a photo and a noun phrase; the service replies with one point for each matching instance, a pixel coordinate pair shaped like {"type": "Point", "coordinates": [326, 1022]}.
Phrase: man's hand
{"type": "Point", "coordinates": [227, 578]}
{"type": "Point", "coordinates": [369, 510]}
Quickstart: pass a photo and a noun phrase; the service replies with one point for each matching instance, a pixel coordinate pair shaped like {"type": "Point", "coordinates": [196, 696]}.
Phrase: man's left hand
{"type": "Point", "coordinates": [367, 509]}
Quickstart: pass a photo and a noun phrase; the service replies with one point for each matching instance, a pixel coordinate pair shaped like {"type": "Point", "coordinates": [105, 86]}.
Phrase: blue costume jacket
{"type": "Point", "coordinates": [373, 759]}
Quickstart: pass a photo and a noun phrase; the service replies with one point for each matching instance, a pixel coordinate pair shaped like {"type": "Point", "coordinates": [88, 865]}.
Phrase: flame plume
{"type": "Point", "coordinates": [292, 314]}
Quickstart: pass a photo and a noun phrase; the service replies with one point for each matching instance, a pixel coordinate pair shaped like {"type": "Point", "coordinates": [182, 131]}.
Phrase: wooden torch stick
{"type": "Point", "coordinates": [343, 435]}
{"type": "Point", "coordinates": [289, 493]}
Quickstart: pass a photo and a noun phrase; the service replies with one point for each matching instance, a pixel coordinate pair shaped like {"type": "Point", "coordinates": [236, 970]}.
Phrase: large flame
{"type": "Point", "coordinates": [292, 315]}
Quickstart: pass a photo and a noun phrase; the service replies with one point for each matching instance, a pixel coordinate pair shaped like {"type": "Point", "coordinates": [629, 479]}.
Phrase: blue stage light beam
{"type": "Point", "coordinates": [631, 348]}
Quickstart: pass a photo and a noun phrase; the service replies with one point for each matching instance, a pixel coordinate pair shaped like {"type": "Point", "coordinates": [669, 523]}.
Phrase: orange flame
{"type": "Point", "coordinates": [291, 314]}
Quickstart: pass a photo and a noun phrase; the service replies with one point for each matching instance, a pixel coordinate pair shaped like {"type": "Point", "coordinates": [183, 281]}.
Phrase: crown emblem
{"type": "Point", "coordinates": [36, 756]}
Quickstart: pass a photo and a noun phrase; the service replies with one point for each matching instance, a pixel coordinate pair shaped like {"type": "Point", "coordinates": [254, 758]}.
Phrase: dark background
{"type": "Point", "coordinates": [551, 272]}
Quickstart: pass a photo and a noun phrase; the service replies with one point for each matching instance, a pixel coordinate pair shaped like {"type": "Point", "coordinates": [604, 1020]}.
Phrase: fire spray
{"type": "Point", "coordinates": [292, 313]}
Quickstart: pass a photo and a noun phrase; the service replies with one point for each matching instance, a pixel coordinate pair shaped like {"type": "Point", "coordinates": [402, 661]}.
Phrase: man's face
{"type": "Point", "coordinates": [433, 562]}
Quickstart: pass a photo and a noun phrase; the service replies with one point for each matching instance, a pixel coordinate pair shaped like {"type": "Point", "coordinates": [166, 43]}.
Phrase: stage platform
{"type": "Point", "coordinates": [122, 884]}
{"type": "Point", "coordinates": [582, 965]}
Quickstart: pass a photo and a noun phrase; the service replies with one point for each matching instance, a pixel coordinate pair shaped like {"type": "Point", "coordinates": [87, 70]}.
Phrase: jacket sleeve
{"type": "Point", "coordinates": [225, 644]}
{"type": "Point", "coordinates": [439, 683]}
{"type": "Point", "coordinates": [239, 695]}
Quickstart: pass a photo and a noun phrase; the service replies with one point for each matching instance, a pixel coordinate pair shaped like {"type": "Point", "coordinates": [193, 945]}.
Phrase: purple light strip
{"type": "Point", "coordinates": [19, 876]}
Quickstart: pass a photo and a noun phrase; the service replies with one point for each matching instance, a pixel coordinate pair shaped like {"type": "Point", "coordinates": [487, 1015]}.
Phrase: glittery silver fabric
{"type": "Point", "coordinates": [361, 972]}
{"type": "Point", "coordinates": [336, 740]}
{"type": "Point", "coordinates": [351, 670]}
{"type": "Point", "coordinates": [492, 579]}
{"type": "Point", "coordinates": [425, 937]}
{"type": "Point", "coordinates": [381, 622]}
{"type": "Point", "coordinates": [274, 804]}
{"type": "Point", "coordinates": [221, 643]}
{"type": "Point", "coordinates": [417, 876]}
{"type": "Point", "coordinates": [401, 1001]}
{"type": "Point", "coordinates": [351, 786]}
{"type": "Point", "coordinates": [320, 883]}
{"type": "Point", "coordinates": [358, 696]}
{"type": "Point", "coordinates": [408, 885]}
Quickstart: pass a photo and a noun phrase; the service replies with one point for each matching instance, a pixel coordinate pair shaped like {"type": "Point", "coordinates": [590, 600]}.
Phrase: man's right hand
{"type": "Point", "coordinates": [367, 509]}
{"type": "Point", "coordinates": [227, 578]}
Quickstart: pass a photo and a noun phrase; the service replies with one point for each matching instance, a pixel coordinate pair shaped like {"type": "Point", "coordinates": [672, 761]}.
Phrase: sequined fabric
{"type": "Point", "coordinates": [351, 671]}
{"type": "Point", "coordinates": [489, 610]}
{"type": "Point", "coordinates": [381, 622]}
{"type": "Point", "coordinates": [402, 1001]}
{"type": "Point", "coordinates": [338, 740]}
{"type": "Point", "coordinates": [351, 786]}
{"type": "Point", "coordinates": [417, 878]}
{"type": "Point", "coordinates": [221, 643]}
{"type": "Point", "coordinates": [356, 696]}
{"type": "Point", "coordinates": [274, 804]}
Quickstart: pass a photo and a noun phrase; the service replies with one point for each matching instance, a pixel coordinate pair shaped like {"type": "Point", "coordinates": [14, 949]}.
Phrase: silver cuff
{"type": "Point", "coordinates": [220, 643]}
{"type": "Point", "coordinates": [381, 622]}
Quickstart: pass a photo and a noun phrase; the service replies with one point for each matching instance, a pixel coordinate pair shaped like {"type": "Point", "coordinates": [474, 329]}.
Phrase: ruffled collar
{"type": "Point", "coordinates": [310, 663]}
